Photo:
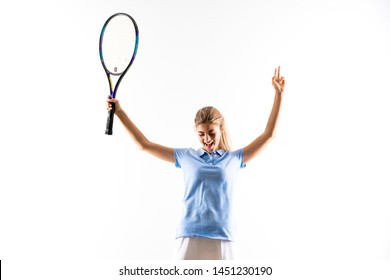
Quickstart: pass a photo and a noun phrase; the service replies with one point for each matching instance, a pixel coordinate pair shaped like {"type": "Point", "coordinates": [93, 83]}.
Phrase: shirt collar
{"type": "Point", "coordinates": [201, 152]}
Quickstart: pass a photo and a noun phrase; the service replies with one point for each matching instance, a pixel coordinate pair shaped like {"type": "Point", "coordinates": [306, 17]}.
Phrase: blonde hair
{"type": "Point", "coordinates": [211, 115]}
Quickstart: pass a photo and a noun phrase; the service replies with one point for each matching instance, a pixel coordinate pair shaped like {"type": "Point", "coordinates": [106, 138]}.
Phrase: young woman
{"type": "Point", "coordinates": [207, 230]}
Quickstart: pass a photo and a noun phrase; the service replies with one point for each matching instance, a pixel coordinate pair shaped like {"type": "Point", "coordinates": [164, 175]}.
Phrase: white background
{"type": "Point", "coordinates": [320, 190]}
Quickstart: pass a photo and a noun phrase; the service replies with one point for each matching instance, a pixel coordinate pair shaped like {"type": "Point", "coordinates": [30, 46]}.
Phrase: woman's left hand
{"type": "Point", "coordinates": [278, 81]}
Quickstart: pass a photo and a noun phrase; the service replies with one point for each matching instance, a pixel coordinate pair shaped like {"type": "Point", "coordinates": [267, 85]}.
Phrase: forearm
{"type": "Point", "coordinates": [132, 129]}
{"type": "Point", "coordinates": [274, 115]}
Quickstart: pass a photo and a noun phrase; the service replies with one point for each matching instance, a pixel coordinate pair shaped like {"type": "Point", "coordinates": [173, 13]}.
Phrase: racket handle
{"type": "Point", "coordinates": [110, 119]}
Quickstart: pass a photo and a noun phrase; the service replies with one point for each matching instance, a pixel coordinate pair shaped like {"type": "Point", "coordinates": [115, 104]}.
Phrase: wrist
{"type": "Point", "coordinates": [119, 112]}
{"type": "Point", "coordinates": [278, 92]}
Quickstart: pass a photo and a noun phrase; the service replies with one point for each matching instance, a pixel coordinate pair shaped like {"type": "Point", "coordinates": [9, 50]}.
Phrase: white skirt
{"type": "Point", "coordinates": [200, 248]}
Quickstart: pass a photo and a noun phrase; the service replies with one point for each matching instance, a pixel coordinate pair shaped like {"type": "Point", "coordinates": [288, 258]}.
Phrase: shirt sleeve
{"type": "Point", "coordinates": [239, 154]}
{"type": "Point", "coordinates": [178, 153]}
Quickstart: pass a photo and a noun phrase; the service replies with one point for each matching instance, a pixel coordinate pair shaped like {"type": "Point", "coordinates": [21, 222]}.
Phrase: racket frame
{"type": "Point", "coordinates": [109, 74]}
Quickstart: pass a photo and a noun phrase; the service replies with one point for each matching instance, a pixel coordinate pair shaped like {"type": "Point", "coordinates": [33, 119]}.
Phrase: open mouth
{"type": "Point", "coordinates": [209, 146]}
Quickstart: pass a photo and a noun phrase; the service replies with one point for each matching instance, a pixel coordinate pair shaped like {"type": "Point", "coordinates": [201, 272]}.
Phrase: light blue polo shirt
{"type": "Point", "coordinates": [209, 181]}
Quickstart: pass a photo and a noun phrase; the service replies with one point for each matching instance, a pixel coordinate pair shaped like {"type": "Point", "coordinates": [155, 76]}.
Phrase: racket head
{"type": "Point", "coordinates": [118, 46]}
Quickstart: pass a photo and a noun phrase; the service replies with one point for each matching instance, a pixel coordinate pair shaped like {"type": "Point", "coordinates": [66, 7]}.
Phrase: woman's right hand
{"type": "Point", "coordinates": [109, 102]}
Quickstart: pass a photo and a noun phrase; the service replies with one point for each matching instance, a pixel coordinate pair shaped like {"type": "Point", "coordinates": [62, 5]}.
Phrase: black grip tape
{"type": "Point", "coordinates": [110, 119]}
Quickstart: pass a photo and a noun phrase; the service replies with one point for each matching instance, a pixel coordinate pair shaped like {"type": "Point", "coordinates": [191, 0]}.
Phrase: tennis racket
{"type": "Point", "coordinates": [118, 47]}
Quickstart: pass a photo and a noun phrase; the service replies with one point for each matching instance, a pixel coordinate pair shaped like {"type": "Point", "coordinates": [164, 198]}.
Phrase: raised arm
{"type": "Point", "coordinates": [159, 151]}
{"type": "Point", "coordinates": [254, 148]}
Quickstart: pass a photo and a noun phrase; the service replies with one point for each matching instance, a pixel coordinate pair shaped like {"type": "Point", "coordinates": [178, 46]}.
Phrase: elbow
{"type": "Point", "coordinates": [146, 146]}
{"type": "Point", "coordinates": [270, 134]}
{"type": "Point", "coordinates": [140, 147]}
{"type": "Point", "coordinates": [143, 145]}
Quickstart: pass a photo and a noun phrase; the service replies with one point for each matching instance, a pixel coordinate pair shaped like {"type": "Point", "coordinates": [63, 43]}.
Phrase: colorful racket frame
{"type": "Point", "coordinates": [122, 74]}
{"type": "Point", "coordinates": [113, 90]}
